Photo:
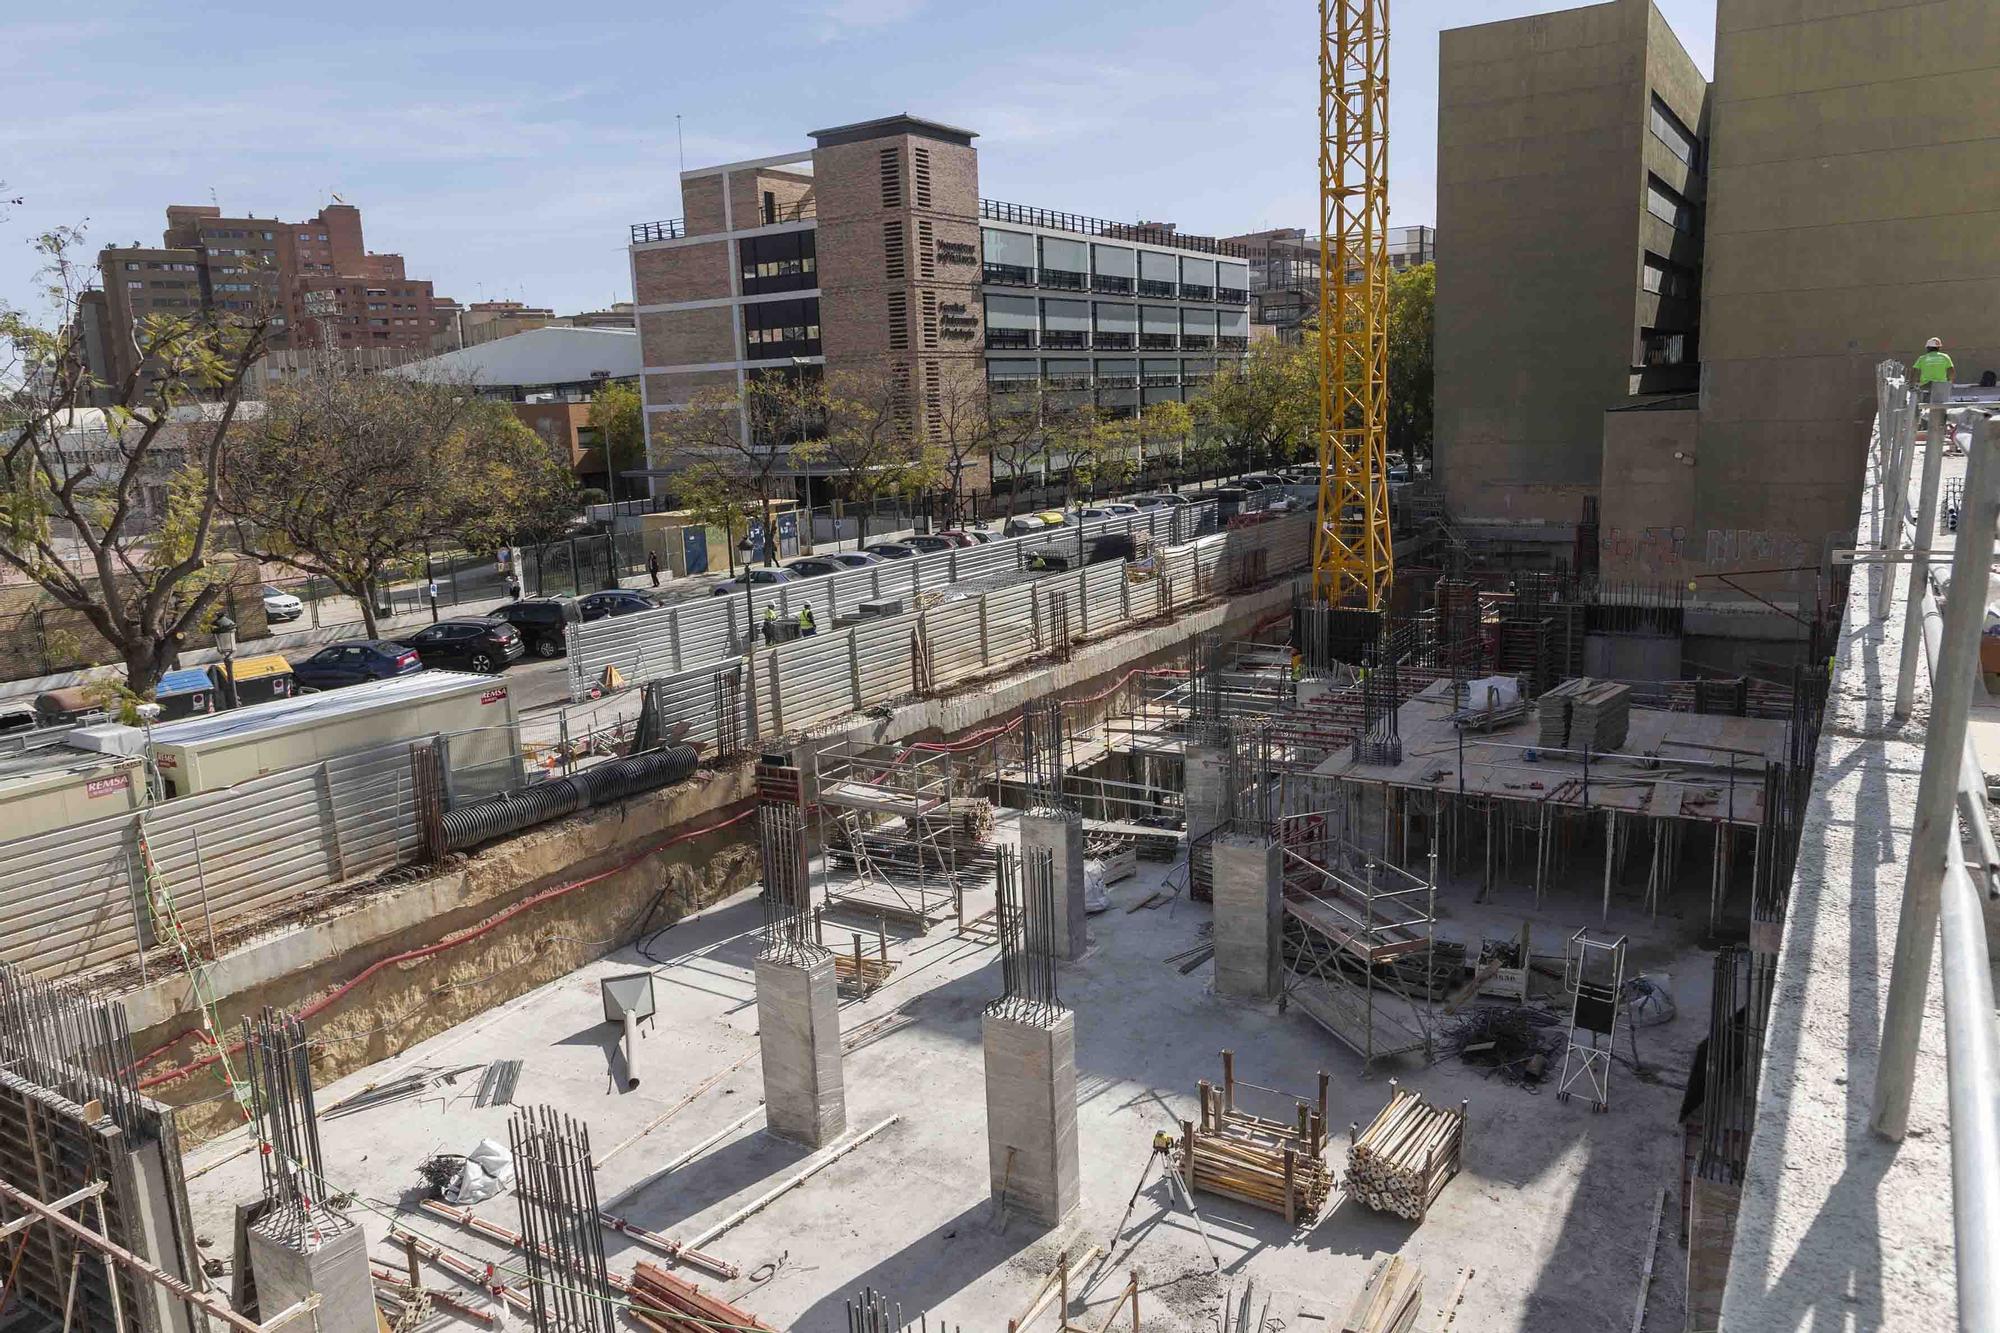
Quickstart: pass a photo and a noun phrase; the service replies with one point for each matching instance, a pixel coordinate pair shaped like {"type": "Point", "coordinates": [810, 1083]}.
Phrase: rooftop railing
{"type": "Point", "coordinates": [1029, 216]}
{"type": "Point", "coordinates": [669, 229]}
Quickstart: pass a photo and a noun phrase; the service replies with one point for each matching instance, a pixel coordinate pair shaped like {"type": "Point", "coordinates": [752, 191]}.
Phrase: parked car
{"type": "Point", "coordinates": [542, 622]}
{"type": "Point", "coordinates": [1262, 481]}
{"type": "Point", "coordinates": [614, 602]}
{"type": "Point", "coordinates": [757, 576]}
{"type": "Point", "coordinates": [929, 543]}
{"type": "Point", "coordinates": [980, 536]}
{"type": "Point", "coordinates": [485, 644]}
{"type": "Point", "coordinates": [1109, 509]}
{"type": "Point", "coordinates": [967, 536]}
{"type": "Point", "coordinates": [17, 715]}
{"type": "Point", "coordinates": [352, 661]}
{"type": "Point", "coordinates": [854, 559]}
{"type": "Point", "coordinates": [892, 550]}
{"type": "Point", "coordinates": [1020, 525]}
{"type": "Point", "coordinates": [280, 606]}
{"type": "Point", "coordinates": [814, 566]}
{"type": "Point", "coordinates": [1164, 500]}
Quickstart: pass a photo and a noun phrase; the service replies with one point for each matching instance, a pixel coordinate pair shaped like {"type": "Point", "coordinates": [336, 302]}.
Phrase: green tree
{"type": "Point", "coordinates": [1162, 428]}
{"type": "Point", "coordinates": [1412, 323]}
{"type": "Point", "coordinates": [349, 474]}
{"type": "Point", "coordinates": [1264, 409]}
{"type": "Point", "coordinates": [783, 412]}
{"type": "Point", "coordinates": [112, 513]}
{"type": "Point", "coordinates": [619, 418]}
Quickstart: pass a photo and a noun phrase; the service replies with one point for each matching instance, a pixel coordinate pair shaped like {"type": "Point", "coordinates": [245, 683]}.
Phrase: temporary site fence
{"type": "Point", "coordinates": [79, 898]}
{"type": "Point", "coordinates": [693, 633]}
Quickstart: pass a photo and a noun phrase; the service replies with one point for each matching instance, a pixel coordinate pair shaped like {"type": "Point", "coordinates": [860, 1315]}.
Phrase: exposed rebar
{"type": "Point", "coordinates": [1025, 912]}
{"type": "Point", "coordinates": [560, 1231]}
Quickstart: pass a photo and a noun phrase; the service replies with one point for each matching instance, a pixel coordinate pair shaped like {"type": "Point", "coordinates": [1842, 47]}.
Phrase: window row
{"type": "Point", "coordinates": [1679, 139]}
{"type": "Point", "coordinates": [1665, 203]}
{"type": "Point", "coordinates": [781, 328]}
{"type": "Point", "coordinates": [786, 262]}
{"type": "Point", "coordinates": [1008, 375]}
{"type": "Point", "coordinates": [1026, 260]}
{"type": "Point", "coordinates": [1025, 321]}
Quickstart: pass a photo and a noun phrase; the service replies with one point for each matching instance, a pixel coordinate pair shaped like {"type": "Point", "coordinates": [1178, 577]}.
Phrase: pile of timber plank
{"type": "Point", "coordinates": [1388, 1304]}
{"type": "Point", "coordinates": [1552, 712]}
{"type": "Point", "coordinates": [1283, 1180]}
{"type": "Point", "coordinates": [668, 1304]}
{"type": "Point", "coordinates": [1407, 1155]}
{"type": "Point", "coordinates": [1600, 716]}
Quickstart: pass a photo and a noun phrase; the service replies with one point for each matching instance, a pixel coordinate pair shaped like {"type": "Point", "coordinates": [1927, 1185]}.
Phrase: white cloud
{"type": "Point", "coordinates": [842, 18]}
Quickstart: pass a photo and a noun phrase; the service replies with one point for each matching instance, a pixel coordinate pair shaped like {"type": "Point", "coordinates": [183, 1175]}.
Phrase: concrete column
{"type": "Point", "coordinates": [798, 1033]}
{"type": "Point", "coordinates": [288, 1269]}
{"type": "Point", "coordinates": [1061, 833]}
{"type": "Point", "coordinates": [1249, 903]}
{"type": "Point", "coordinates": [1206, 790]}
{"type": "Point", "coordinates": [1031, 1114]}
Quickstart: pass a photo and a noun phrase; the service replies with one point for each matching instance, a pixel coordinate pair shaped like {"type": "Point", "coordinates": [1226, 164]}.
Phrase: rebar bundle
{"type": "Point", "coordinates": [281, 1106]}
{"type": "Point", "coordinates": [1042, 754]}
{"type": "Point", "coordinates": [1740, 1005]}
{"type": "Point", "coordinates": [1025, 909]}
{"type": "Point", "coordinates": [72, 1044]}
{"type": "Point", "coordinates": [1252, 781]}
{"type": "Point", "coordinates": [562, 1237]}
{"type": "Point", "coordinates": [1380, 741]}
{"type": "Point", "coordinates": [787, 892]}
{"type": "Point", "coordinates": [869, 1311]}
{"type": "Point", "coordinates": [1205, 690]}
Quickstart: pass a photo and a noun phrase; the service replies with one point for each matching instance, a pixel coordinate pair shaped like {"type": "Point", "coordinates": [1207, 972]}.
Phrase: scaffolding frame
{"type": "Point", "coordinates": [879, 808]}
{"type": "Point", "coordinates": [1594, 976]}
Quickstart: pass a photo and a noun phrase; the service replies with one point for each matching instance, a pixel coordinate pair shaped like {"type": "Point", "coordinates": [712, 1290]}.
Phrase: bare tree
{"type": "Point", "coordinates": [1016, 440]}
{"type": "Point", "coordinates": [964, 427]}
{"type": "Point", "coordinates": [872, 442]}
{"type": "Point", "coordinates": [780, 413]}
{"type": "Point", "coordinates": [349, 473]}
{"type": "Point", "coordinates": [111, 511]}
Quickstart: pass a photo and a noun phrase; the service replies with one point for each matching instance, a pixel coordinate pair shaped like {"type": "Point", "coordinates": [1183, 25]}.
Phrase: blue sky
{"type": "Point", "coordinates": [503, 148]}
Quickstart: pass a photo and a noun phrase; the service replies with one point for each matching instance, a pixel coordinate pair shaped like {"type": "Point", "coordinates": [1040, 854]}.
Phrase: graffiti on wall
{"type": "Point", "coordinates": [1759, 548]}
{"type": "Point", "coordinates": [1644, 550]}
{"type": "Point", "coordinates": [1666, 550]}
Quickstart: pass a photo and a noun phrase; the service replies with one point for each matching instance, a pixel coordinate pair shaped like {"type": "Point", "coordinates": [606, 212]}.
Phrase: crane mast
{"type": "Point", "coordinates": [1352, 553]}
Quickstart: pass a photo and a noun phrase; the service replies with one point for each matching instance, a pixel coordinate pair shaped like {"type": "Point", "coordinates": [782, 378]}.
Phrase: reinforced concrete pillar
{"type": "Point", "coordinates": [288, 1268]}
{"type": "Point", "coordinates": [1031, 1113]}
{"type": "Point", "coordinates": [1249, 926]}
{"type": "Point", "coordinates": [798, 1035]}
{"type": "Point", "coordinates": [1206, 789]}
{"type": "Point", "coordinates": [1061, 833]}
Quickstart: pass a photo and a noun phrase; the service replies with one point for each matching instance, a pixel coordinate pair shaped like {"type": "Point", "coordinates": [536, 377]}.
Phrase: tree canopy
{"type": "Point", "coordinates": [619, 418]}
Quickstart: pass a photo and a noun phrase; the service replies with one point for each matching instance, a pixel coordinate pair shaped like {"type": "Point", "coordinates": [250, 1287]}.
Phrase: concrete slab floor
{"type": "Point", "coordinates": [1550, 1216]}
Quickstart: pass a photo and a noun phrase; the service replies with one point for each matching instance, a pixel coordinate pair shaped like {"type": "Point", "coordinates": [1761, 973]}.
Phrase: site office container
{"type": "Point", "coordinates": [56, 787]}
{"type": "Point", "coordinates": [476, 711]}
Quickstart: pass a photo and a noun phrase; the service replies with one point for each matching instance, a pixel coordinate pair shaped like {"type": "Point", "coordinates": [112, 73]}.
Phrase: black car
{"type": "Point", "coordinates": [352, 661]}
{"type": "Point", "coordinates": [614, 602]}
{"type": "Point", "coordinates": [542, 622]}
{"type": "Point", "coordinates": [471, 643]}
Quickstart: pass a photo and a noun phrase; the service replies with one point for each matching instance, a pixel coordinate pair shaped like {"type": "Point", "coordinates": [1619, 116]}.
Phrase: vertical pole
{"type": "Point", "coordinates": [1944, 759]}
{"type": "Point", "coordinates": [1920, 553]}
{"type": "Point", "coordinates": [1896, 503]}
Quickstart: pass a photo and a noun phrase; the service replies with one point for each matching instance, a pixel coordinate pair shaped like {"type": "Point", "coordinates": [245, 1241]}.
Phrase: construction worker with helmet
{"type": "Point", "coordinates": [1933, 367]}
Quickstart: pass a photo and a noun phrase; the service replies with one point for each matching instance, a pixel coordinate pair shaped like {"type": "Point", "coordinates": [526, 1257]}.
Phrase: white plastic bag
{"type": "Point", "coordinates": [1096, 898]}
{"type": "Point", "coordinates": [488, 1170]}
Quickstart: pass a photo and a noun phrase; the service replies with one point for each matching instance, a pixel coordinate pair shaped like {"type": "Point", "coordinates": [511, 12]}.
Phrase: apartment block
{"type": "Point", "coordinates": [325, 289]}
{"type": "Point", "coordinates": [873, 252]}
{"type": "Point", "coordinates": [1572, 175]}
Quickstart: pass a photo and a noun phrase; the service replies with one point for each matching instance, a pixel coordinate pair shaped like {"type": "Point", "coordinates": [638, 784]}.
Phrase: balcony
{"type": "Point", "coordinates": [1111, 284]}
{"type": "Point", "coordinates": [1229, 342]}
{"type": "Point", "coordinates": [1013, 385]}
{"type": "Point", "coordinates": [1232, 296]}
{"type": "Point", "coordinates": [1114, 342]}
{"type": "Point", "coordinates": [1159, 381]}
{"type": "Point", "coordinates": [1192, 291]}
{"type": "Point", "coordinates": [1154, 287]}
{"type": "Point", "coordinates": [1065, 339]}
{"type": "Point", "coordinates": [670, 229]}
{"type": "Point", "coordinates": [1067, 382]}
{"type": "Point", "coordinates": [1158, 342]}
{"type": "Point", "coordinates": [1013, 338]}
{"type": "Point", "coordinates": [1197, 342]}
{"type": "Point", "coordinates": [1065, 280]}
{"type": "Point", "coordinates": [1117, 381]}
{"type": "Point", "coordinates": [1010, 275]}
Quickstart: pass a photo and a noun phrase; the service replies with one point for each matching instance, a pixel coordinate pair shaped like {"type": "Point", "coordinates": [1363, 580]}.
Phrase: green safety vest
{"type": "Point", "coordinates": [1933, 367]}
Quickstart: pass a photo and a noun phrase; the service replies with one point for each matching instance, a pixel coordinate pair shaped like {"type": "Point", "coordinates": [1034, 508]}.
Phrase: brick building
{"type": "Point", "coordinates": [872, 252]}
{"type": "Point", "coordinates": [325, 288]}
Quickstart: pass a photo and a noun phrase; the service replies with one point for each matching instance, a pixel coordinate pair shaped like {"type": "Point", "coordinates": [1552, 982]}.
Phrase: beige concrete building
{"type": "Point", "coordinates": [873, 253]}
{"type": "Point", "coordinates": [1570, 189]}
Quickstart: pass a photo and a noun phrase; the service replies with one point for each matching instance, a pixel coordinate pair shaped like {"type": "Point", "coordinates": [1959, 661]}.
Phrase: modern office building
{"type": "Point", "coordinates": [323, 286]}
{"type": "Point", "coordinates": [1284, 273]}
{"type": "Point", "coordinates": [873, 252]}
{"type": "Point", "coordinates": [1571, 180]}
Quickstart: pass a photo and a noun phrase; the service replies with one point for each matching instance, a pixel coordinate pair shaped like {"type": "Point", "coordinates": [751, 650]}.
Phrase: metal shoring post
{"type": "Point", "coordinates": [1937, 788]}
{"type": "Point", "coordinates": [1896, 502]}
{"type": "Point", "coordinates": [1920, 554]}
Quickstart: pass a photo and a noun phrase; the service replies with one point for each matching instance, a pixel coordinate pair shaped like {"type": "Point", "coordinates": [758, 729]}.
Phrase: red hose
{"type": "Point", "coordinates": [449, 942]}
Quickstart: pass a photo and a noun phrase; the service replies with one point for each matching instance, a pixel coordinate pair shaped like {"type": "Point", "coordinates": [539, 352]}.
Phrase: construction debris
{"type": "Point", "coordinates": [1388, 1304]}
{"type": "Point", "coordinates": [496, 1085]}
{"type": "Point", "coordinates": [1406, 1157]}
{"type": "Point", "coordinates": [668, 1304]}
{"type": "Point", "coordinates": [1516, 1042]}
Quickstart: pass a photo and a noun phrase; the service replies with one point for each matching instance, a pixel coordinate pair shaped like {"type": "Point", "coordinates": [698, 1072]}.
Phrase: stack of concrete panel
{"type": "Point", "coordinates": [1600, 716]}
{"type": "Point", "coordinates": [1553, 712]}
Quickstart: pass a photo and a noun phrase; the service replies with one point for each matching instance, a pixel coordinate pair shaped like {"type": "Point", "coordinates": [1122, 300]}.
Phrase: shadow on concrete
{"type": "Point", "coordinates": [662, 1203]}
{"type": "Point", "coordinates": [933, 1268]}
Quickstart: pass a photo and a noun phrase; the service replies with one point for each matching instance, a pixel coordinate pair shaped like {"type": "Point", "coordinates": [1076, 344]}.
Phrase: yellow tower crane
{"type": "Point", "coordinates": [1352, 555]}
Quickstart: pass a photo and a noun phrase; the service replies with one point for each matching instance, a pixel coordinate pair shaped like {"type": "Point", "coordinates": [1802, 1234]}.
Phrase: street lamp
{"type": "Point", "coordinates": [224, 632]}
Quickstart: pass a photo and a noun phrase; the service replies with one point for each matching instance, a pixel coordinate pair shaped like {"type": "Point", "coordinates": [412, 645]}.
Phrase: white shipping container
{"type": "Point", "coordinates": [55, 787]}
{"type": "Point", "coordinates": [201, 754]}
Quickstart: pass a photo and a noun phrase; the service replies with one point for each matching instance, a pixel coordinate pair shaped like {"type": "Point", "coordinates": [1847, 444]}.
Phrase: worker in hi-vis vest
{"type": "Point", "coordinates": [1933, 366]}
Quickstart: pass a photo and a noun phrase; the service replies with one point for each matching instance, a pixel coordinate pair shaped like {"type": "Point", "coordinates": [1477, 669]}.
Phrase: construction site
{"type": "Point", "coordinates": [1397, 910]}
